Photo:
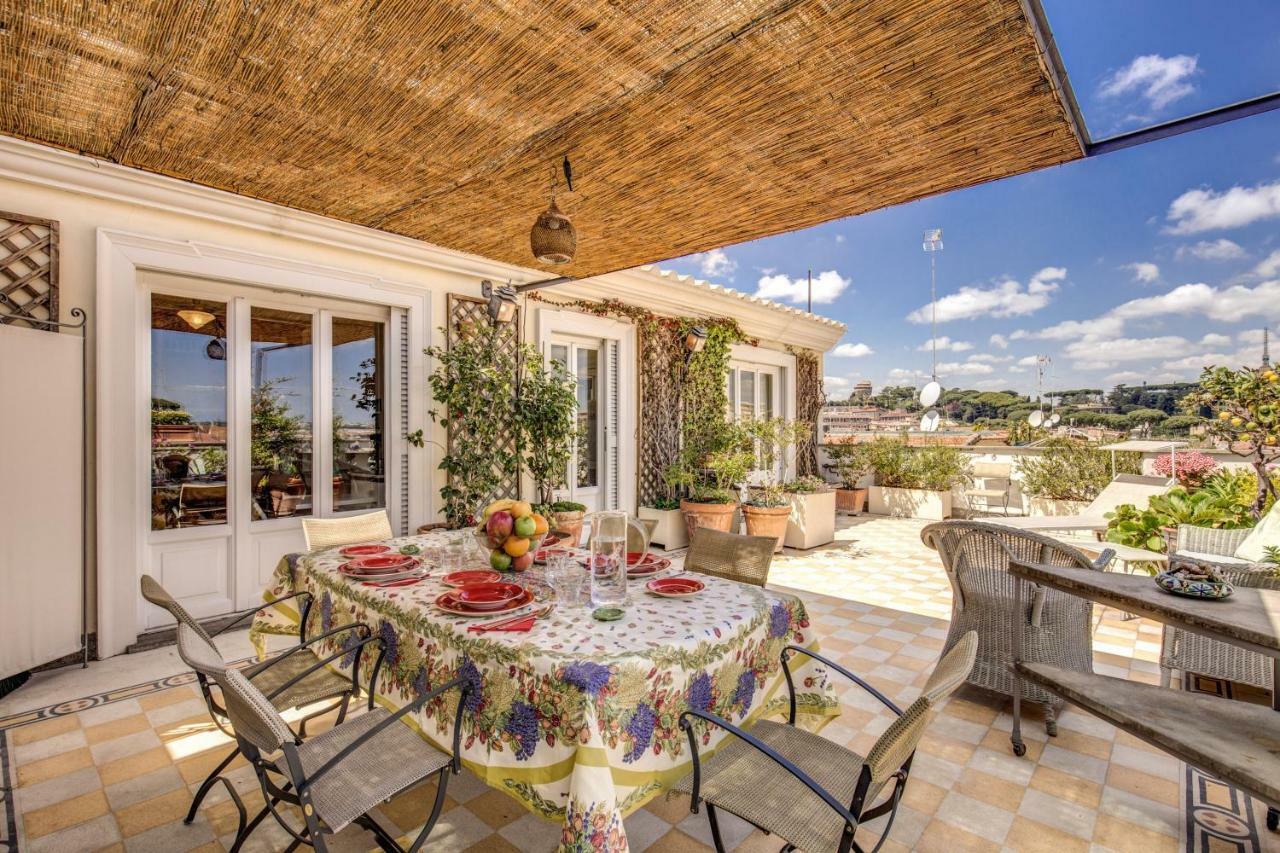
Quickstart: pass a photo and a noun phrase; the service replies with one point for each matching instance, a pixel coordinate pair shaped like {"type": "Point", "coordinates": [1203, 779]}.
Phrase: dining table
{"type": "Point", "coordinates": [575, 718]}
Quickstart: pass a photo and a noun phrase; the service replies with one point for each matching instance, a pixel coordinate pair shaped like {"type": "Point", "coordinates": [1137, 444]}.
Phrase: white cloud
{"type": "Point", "coordinates": [839, 238]}
{"type": "Point", "coordinates": [1196, 362]}
{"type": "Point", "coordinates": [1143, 271]}
{"type": "Point", "coordinates": [1017, 369]}
{"type": "Point", "coordinates": [1250, 336]}
{"type": "Point", "coordinates": [1068, 330]}
{"type": "Point", "coordinates": [1213, 250]}
{"type": "Point", "coordinates": [1206, 210]}
{"type": "Point", "coordinates": [945, 343]}
{"type": "Point", "coordinates": [1094, 354]}
{"type": "Point", "coordinates": [1124, 376]}
{"type": "Point", "coordinates": [964, 368]}
{"type": "Point", "coordinates": [999, 341]}
{"type": "Point", "coordinates": [1269, 266]}
{"type": "Point", "coordinates": [992, 384]}
{"type": "Point", "coordinates": [1161, 80]}
{"type": "Point", "coordinates": [1215, 340]}
{"type": "Point", "coordinates": [852, 351]}
{"type": "Point", "coordinates": [1006, 299]}
{"type": "Point", "coordinates": [827, 287]}
{"type": "Point", "coordinates": [716, 264]}
{"type": "Point", "coordinates": [991, 359]}
{"type": "Point", "coordinates": [902, 373]}
{"type": "Point", "coordinates": [1027, 361]}
{"type": "Point", "coordinates": [1225, 304]}
{"type": "Point", "coordinates": [836, 382]}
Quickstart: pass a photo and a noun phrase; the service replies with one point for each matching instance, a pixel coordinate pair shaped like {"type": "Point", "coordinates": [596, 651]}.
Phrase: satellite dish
{"type": "Point", "coordinates": [930, 393]}
{"type": "Point", "coordinates": [1036, 418]}
{"type": "Point", "coordinates": [1054, 418]}
{"type": "Point", "coordinates": [929, 423]}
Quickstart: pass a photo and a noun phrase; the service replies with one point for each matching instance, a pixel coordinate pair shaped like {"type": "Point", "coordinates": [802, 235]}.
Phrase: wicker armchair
{"type": "Point", "coordinates": [795, 784]}
{"type": "Point", "coordinates": [1188, 652]}
{"type": "Point", "coordinates": [745, 559]}
{"type": "Point", "coordinates": [323, 533]}
{"type": "Point", "coordinates": [337, 777]}
{"type": "Point", "coordinates": [290, 679]}
{"type": "Point", "coordinates": [1056, 630]}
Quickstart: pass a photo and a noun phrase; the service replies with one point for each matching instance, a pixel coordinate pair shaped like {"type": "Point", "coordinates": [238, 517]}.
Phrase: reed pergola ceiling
{"type": "Point", "coordinates": [691, 124]}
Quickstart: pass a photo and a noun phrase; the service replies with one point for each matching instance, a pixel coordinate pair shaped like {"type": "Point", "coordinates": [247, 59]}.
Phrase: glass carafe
{"type": "Point", "coordinates": [608, 558]}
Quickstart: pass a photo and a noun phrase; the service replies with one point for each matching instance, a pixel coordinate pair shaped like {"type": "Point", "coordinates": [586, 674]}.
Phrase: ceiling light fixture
{"type": "Point", "coordinates": [196, 318]}
{"type": "Point", "coordinates": [553, 238]}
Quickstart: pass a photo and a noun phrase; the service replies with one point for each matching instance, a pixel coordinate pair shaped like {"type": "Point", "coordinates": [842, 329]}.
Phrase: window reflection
{"type": "Point", "coordinates": [281, 424]}
{"type": "Point", "coordinates": [358, 420]}
{"type": "Point", "coordinates": [588, 423]}
{"type": "Point", "coordinates": [188, 412]}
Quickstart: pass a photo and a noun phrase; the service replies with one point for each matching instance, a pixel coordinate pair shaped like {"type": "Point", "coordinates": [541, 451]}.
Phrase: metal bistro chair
{"type": "Point", "coordinates": [1056, 628]}
{"type": "Point", "coordinates": [289, 679]}
{"type": "Point", "coordinates": [338, 776]}
{"type": "Point", "coordinates": [323, 533]}
{"type": "Point", "coordinates": [745, 559]}
{"type": "Point", "coordinates": [796, 784]}
{"type": "Point", "coordinates": [995, 484]}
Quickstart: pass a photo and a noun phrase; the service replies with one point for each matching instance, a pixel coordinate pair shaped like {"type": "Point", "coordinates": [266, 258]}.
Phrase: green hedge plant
{"type": "Point", "coordinates": [1070, 470]}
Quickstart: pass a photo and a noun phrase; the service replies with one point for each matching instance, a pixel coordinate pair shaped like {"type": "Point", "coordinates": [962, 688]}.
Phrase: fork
{"type": "Point", "coordinates": [500, 624]}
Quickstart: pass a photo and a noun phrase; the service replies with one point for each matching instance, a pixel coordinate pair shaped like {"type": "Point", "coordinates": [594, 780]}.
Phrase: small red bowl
{"type": "Point", "coordinates": [470, 576]}
{"type": "Point", "coordinates": [488, 596]}
{"type": "Point", "coordinates": [678, 587]}
{"type": "Point", "coordinates": [364, 550]}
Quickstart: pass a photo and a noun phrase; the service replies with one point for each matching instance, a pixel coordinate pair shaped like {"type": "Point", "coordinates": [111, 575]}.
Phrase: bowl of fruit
{"type": "Point", "coordinates": [512, 532]}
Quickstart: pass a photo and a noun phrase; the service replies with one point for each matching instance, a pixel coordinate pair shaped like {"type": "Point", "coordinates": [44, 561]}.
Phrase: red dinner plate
{"type": "Point", "coordinates": [648, 568]}
{"type": "Point", "coordinates": [448, 602]}
{"type": "Point", "coordinates": [637, 557]}
{"type": "Point", "coordinates": [488, 596]}
{"type": "Point", "coordinates": [380, 564]}
{"type": "Point", "coordinates": [410, 570]}
{"type": "Point", "coordinates": [364, 550]}
{"type": "Point", "coordinates": [680, 587]}
{"type": "Point", "coordinates": [470, 576]}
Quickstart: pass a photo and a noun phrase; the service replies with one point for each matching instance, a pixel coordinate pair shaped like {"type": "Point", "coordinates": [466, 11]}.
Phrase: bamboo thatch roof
{"type": "Point", "coordinates": [691, 124]}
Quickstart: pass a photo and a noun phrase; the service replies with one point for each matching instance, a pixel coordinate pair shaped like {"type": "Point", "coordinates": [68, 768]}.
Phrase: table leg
{"type": "Point", "coordinates": [1273, 814]}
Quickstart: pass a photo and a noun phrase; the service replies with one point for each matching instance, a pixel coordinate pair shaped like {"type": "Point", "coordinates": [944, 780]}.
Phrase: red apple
{"type": "Point", "coordinates": [522, 563]}
{"type": "Point", "coordinates": [498, 527]}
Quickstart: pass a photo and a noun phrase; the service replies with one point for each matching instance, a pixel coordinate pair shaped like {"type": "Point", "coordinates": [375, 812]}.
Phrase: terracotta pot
{"type": "Point", "coordinates": [767, 521]}
{"type": "Point", "coordinates": [569, 524]}
{"type": "Point", "coordinates": [715, 516]}
{"type": "Point", "coordinates": [852, 501]}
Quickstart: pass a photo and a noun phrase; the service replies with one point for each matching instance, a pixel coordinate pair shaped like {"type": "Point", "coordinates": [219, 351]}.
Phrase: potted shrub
{"type": "Point", "coordinates": [711, 488]}
{"type": "Point", "coordinates": [567, 519]}
{"type": "Point", "coordinates": [669, 530]}
{"type": "Point", "coordinates": [914, 482]}
{"type": "Point", "coordinates": [1068, 474]}
{"type": "Point", "coordinates": [852, 463]}
{"type": "Point", "coordinates": [812, 521]}
{"type": "Point", "coordinates": [767, 509]}
{"type": "Point", "coordinates": [546, 416]}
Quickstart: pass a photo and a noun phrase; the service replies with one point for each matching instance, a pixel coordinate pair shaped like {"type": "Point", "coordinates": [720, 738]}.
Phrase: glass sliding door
{"type": "Point", "coordinates": [188, 412]}
{"type": "Point", "coordinates": [583, 362]}
{"type": "Point", "coordinates": [280, 426]}
{"type": "Point", "coordinates": [359, 393]}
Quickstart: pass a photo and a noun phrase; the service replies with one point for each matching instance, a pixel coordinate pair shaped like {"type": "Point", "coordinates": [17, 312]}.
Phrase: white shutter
{"type": "Point", "coordinates": [402, 376]}
{"type": "Point", "coordinates": [610, 497]}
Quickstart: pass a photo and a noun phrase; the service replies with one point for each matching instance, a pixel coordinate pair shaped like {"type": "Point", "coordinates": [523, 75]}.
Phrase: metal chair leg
{"type": "Point", "coordinates": [441, 785]}
{"type": "Point", "coordinates": [715, 828]}
{"type": "Point", "coordinates": [207, 785]}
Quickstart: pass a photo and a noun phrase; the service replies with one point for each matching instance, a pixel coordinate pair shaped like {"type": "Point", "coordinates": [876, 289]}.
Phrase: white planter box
{"type": "Point", "coordinates": [671, 532]}
{"type": "Point", "coordinates": [812, 522]}
{"type": "Point", "coordinates": [909, 503]}
{"type": "Point", "coordinates": [1052, 506]}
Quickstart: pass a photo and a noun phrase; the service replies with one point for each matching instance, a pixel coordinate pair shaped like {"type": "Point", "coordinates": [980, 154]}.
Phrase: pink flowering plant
{"type": "Point", "coordinates": [1192, 467]}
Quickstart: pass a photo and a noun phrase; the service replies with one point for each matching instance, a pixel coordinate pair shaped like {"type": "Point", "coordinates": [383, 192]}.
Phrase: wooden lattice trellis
{"type": "Point", "coordinates": [464, 310]}
{"type": "Point", "coordinates": [661, 355]}
{"type": "Point", "coordinates": [810, 398]}
{"type": "Point", "coordinates": [28, 269]}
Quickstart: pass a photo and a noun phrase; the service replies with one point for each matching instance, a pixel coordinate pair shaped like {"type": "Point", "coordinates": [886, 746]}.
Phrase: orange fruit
{"type": "Point", "coordinates": [540, 525]}
{"type": "Point", "coordinates": [516, 546]}
{"type": "Point", "coordinates": [520, 509]}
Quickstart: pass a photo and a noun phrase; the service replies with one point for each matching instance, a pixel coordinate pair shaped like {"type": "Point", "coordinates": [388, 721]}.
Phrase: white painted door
{"type": "Point", "coordinates": [264, 409]}
{"type": "Point", "coordinates": [755, 391]}
{"type": "Point", "coordinates": [591, 478]}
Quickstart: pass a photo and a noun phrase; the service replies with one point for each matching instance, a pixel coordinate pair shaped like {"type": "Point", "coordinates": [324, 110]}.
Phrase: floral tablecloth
{"type": "Point", "coordinates": [576, 718]}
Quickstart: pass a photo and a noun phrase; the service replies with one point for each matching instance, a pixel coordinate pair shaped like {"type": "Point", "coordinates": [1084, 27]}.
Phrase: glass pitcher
{"type": "Point", "coordinates": [608, 558]}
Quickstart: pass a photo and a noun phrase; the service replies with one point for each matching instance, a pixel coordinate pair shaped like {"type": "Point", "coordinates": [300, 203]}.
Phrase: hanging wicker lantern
{"type": "Point", "coordinates": [553, 238]}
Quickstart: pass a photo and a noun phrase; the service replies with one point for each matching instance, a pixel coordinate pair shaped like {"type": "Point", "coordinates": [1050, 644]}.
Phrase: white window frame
{"type": "Point", "coordinates": [746, 357]}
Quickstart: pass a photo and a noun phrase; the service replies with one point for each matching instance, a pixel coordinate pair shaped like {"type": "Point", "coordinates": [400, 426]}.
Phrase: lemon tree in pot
{"type": "Point", "coordinates": [768, 506]}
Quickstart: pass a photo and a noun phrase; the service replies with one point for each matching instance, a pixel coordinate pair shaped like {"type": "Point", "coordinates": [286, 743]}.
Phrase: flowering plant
{"type": "Point", "coordinates": [1192, 467]}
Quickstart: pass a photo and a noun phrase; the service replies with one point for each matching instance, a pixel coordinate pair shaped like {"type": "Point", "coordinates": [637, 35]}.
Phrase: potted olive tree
{"type": "Point", "coordinates": [711, 487]}
{"type": "Point", "coordinates": [852, 463]}
{"type": "Point", "coordinates": [1067, 474]}
{"type": "Point", "coordinates": [768, 506]}
{"type": "Point", "coordinates": [915, 482]}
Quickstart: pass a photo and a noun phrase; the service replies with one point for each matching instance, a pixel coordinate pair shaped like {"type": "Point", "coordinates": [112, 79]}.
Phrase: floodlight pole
{"type": "Point", "coordinates": [932, 245]}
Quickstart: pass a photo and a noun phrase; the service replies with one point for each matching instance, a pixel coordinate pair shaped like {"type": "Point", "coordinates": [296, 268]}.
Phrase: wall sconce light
{"type": "Point", "coordinates": [502, 301]}
{"type": "Point", "coordinates": [195, 318]}
{"type": "Point", "coordinates": [695, 339]}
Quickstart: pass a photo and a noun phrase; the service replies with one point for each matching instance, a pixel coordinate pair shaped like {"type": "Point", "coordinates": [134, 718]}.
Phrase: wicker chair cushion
{"type": "Point", "coordinates": [251, 713]}
{"type": "Point", "coordinates": [1265, 534]}
{"type": "Point", "coordinates": [745, 559]}
{"type": "Point", "coordinates": [377, 770]}
{"type": "Point", "coordinates": [321, 684]}
{"type": "Point", "coordinates": [323, 533]}
{"type": "Point", "coordinates": [742, 780]}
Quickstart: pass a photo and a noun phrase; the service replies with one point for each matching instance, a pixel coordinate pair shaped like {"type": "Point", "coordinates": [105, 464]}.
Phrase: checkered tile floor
{"type": "Point", "coordinates": [120, 775]}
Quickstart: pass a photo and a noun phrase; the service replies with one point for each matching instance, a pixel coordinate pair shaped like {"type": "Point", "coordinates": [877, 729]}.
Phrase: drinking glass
{"type": "Point", "coordinates": [608, 558]}
{"type": "Point", "coordinates": [567, 577]}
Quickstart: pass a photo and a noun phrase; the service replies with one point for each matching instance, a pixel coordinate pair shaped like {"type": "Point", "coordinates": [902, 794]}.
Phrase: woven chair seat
{"type": "Point", "coordinates": [321, 684]}
{"type": "Point", "coordinates": [378, 770]}
{"type": "Point", "coordinates": [742, 780]}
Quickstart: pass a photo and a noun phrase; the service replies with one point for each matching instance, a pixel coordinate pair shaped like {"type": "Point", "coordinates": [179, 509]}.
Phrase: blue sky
{"type": "Point", "coordinates": [1142, 264]}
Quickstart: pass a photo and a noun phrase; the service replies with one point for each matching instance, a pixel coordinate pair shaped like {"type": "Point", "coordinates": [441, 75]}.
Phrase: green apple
{"type": "Point", "coordinates": [526, 526]}
{"type": "Point", "coordinates": [500, 561]}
